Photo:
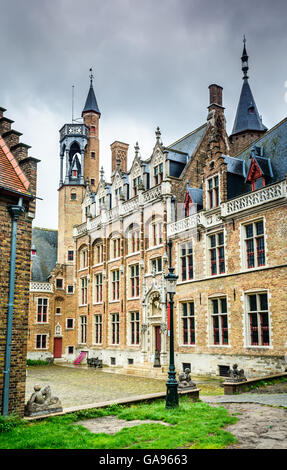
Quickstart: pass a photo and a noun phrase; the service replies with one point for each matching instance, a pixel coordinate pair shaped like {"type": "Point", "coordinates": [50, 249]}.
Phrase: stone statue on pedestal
{"type": "Point", "coordinates": [185, 381]}
{"type": "Point", "coordinates": [42, 402]}
{"type": "Point", "coordinates": [236, 375]}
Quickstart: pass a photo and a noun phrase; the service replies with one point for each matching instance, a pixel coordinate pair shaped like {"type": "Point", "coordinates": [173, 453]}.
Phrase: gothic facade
{"type": "Point", "coordinates": [220, 199]}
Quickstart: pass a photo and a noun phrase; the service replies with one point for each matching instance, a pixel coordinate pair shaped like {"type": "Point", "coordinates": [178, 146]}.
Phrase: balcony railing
{"type": "Point", "coordinates": [41, 287]}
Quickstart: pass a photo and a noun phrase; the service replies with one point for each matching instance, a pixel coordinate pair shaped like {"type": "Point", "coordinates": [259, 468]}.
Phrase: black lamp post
{"type": "Point", "coordinates": [171, 384]}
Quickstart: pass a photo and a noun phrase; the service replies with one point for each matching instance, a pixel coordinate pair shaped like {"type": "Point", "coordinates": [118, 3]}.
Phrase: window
{"type": "Point", "coordinates": [93, 155]}
{"type": "Point", "coordinates": [135, 327]}
{"type": "Point", "coordinates": [58, 310]}
{"type": "Point", "coordinates": [70, 255]}
{"type": "Point", "coordinates": [115, 248]}
{"type": "Point", "coordinates": [254, 244]}
{"type": "Point", "coordinates": [118, 192]}
{"type": "Point", "coordinates": [216, 253]}
{"type": "Point", "coordinates": [136, 182]}
{"type": "Point", "coordinates": [213, 192]}
{"type": "Point", "coordinates": [115, 319]}
{"type": "Point", "coordinates": [258, 319]}
{"type": "Point", "coordinates": [219, 321]}
{"type": "Point", "coordinates": [83, 329]}
{"type": "Point", "coordinates": [134, 272]}
{"type": "Point", "coordinates": [92, 181]}
{"type": "Point", "coordinates": [70, 324]}
{"type": "Point", "coordinates": [42, 310]}
{"type": "Point", "coordinates": [59, 283]}
{"type": "Point", "coordinates": [158, 174]}
{"type": "Point", "coordinates": [156, 265]}
{"type": "Point", "coordinates": [70, 289]}
{"type": "Point", "coordinates": [102, 203]}
{"type": "Point", "coordinates": [98, 293]}
{"type": "Point", "coordinates": [83, 290]}
{"type": "Point", "coordinates": [70, 349]}
{"type": "Point", "coordinates": [157, 233]}
{"type": "Point", "coordinates": [73, 196]}
{"type": "Point", "coordinates": [41, 341]}
{"type": "Point", "coordinates": [134, 244]}
{"type": "Point", "coordinates": [98, 253]}
{"type": "Point", "coordinates": [186, 261]}
{"type": "Point", "coordinates": [83, 258]}
{"type": "Point", "coordinates": [115, 284]}
{"type": "Point", "coordinates": [188, 323]}
{"type": "Point", "coordinates": [98, 329]}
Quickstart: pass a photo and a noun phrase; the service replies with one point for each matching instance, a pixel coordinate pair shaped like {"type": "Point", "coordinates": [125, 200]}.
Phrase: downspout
{"type": "Point", "coordinates": [15, 212]}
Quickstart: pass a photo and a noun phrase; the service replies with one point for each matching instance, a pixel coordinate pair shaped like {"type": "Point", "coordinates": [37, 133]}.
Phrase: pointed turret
{"type": "Point", "coordinates": [91, 104]}
{"type": "Point", "coordinates": [247, 125]}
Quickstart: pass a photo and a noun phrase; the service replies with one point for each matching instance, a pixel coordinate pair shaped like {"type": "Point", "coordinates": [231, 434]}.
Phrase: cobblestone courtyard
{"type": "Point", "coordinates": [259, 426]}
{"type": "Point", "coordinates": [81, 386]}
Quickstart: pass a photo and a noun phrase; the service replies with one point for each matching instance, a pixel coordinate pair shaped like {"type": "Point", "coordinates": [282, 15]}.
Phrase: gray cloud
{"type": "Point", "coordinates": [152, 60]}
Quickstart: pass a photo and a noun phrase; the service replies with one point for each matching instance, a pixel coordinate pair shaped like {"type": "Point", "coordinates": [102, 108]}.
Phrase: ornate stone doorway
{"type": "Point", "coordinates": [154, 329]}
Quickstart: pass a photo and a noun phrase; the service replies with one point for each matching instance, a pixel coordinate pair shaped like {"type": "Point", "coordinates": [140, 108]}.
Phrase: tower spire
{"type": "Point", "coordinates": [248, 123]}
{"type": "Point", "coordinates": [91, 104]}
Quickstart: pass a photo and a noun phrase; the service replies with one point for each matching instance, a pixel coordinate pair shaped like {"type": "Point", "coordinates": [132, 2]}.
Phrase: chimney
{"type": "Point", "coordinates": [120, 154]}
{"type": "Point", "coordinates": [215, 97]}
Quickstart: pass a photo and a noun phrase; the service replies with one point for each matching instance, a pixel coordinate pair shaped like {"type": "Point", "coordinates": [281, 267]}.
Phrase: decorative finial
{"type": "Point", "coordinates": [158, 134]}
{"type": "Point", "coordinates": [91, 76]}
{"type": "Point", "coordinates": [137, 149]}
{"type": "Point", "coordinates": [244, 59]}
{"type": "Point", "coordinates": [102, 173]}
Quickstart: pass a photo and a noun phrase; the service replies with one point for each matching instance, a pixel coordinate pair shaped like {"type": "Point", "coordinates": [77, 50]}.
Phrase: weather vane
{"type": "Point", "coordinates": [91, 75]}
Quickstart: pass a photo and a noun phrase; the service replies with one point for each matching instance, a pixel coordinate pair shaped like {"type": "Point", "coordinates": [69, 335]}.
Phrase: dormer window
{"type": "Point", "coordinates": [158, 174]}
{"type": "Point", "coordinates": [213, 192]}
{"type": "Point", "coordinates": [255, 176]}
{"type": "Point", "coordinates": [189, 206]}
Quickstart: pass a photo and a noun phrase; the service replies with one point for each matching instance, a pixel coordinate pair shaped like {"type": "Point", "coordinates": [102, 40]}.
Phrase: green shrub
{"type": "Point", "coordinates": [36, 362]}
{"type": "Point", "coordinates": [7, 423]}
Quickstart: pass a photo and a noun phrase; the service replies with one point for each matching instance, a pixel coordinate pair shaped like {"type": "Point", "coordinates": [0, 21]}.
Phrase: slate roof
{"type": "Point", "coordinates": [274, 147]}
{"type": "Point", "coordinates": [45, 241]}
{"type": "Point", "coordinates": [196, 195]}
{"type": "Point", "coordinates": [12, 179]}
{"type": "Point", "coordinates": [189, 142]}
{"type": "Point", "coordinates": [247, 116]}
{"type": "Point", "coordinates": [235, 166]}
{"type": "Point", "coordinates": [180, 152]}
{"type": "Point", "coordinates": [91, 102]}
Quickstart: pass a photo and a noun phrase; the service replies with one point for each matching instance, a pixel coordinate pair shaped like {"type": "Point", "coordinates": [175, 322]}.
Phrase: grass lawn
{"type": "Point", "coordinates": [194, 425]}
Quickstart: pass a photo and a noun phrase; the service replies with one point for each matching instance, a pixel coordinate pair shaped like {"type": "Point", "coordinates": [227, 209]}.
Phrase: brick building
{"type": "Point", "coordinates": [18, 173]}
{"type": "Point", "coordinates": [220, 199]}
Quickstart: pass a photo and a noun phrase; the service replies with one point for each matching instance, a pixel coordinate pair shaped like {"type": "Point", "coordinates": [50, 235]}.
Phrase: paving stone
{"type": "Point", "coordinates": [112, 424]}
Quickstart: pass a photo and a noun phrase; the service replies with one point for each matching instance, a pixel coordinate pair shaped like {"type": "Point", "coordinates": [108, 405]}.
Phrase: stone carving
{"type": "Point", "coordinates": [94, 362]}
{"type": "Point", "coordinates": [236, 375]}
{"type": "Point", "coordinates": [156, 358]}
{"type": "Point", "coordinates": [42, 402]}
{"type": "Point", "coordinates": [185, 381]}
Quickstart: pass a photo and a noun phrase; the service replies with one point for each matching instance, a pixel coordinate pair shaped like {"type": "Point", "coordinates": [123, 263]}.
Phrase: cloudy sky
{"type": "Point", "coordinates": [152, 61]}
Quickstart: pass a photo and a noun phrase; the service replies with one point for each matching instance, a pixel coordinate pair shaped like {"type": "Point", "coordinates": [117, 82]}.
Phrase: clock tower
{"type": "Point", "coordinates": [79, 165]}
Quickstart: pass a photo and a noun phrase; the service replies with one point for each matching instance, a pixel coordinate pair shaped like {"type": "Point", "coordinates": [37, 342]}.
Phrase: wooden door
{"type": "Point", "coordinates": [157, 338]}
{"type": "Point", "coordinates": [57, 348]}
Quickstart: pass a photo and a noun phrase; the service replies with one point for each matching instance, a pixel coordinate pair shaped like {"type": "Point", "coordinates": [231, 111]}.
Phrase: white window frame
{"type": "Point", "coordinates": [219, 315]}
{"type": "Point", "coordinates": [248, 343]}
{"type": "Point", "coordinates": [244, 239]}
{"type": "Point", "coordinates": [47, 310]}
